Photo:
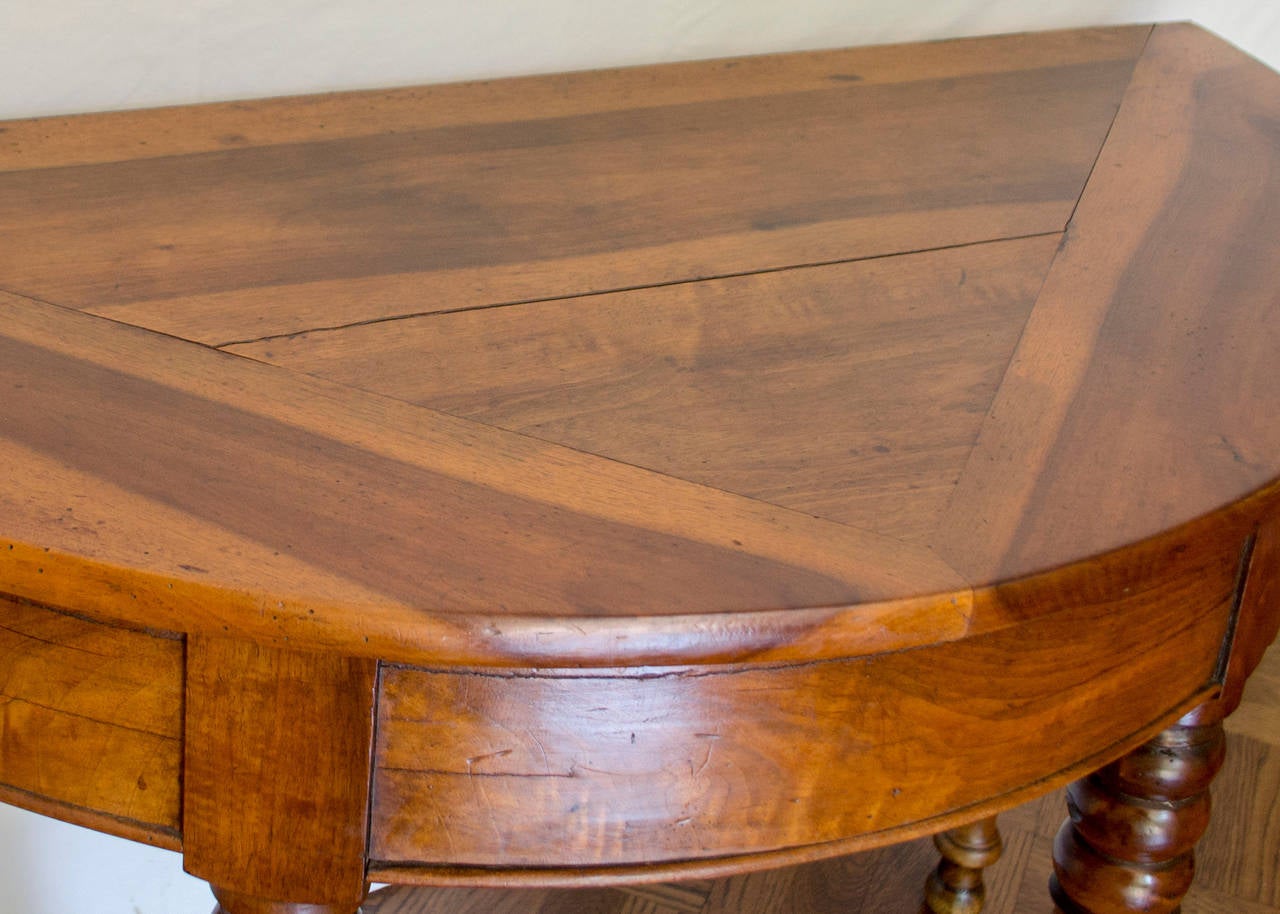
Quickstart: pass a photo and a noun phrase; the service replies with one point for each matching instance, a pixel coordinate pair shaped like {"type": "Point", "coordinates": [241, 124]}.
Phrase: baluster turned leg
{"type": "Point", "coordinates": [1128, 844]}
{"type": "Point", "coordinates": [956, 887]}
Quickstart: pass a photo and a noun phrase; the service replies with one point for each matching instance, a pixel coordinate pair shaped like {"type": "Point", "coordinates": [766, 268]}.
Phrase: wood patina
{"type": "Point", "coordinates": [613, 476]}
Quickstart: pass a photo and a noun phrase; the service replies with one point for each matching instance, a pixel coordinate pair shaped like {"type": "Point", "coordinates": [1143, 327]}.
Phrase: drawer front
{"type": "Point", "coordinates": [597, 768]}
{"type": "Point", "coordinates": [92, 725]}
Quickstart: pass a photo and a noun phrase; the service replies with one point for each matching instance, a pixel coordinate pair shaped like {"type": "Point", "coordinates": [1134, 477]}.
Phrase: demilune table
{"type": "Point", "coordinates": [659, 472]}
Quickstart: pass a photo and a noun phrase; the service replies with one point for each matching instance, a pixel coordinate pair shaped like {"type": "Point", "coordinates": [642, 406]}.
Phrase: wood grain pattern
{"type": "Point", "coordinates": [248, 240]}
{"type": "Point", "coordinates": [72, 690]}
{"type": "Point", "coordinates": [1134, 824]}
{"type": "Point", "coordinates": [237, 903]}
{"type": "Point", "coordinates": [593, 769]}
{"type": "Point", "coordinates": [276, 776]}
{"type": "Point", "coordinates": [852, 392]}
{"type": "Point", "coordinates": [1236, 861]}
{"type": "Point", "coordinates": [412, 512]}
{"type": "Point", "coordinates": [55, 142]}
{"type": "Point", "coordinates": [1258, 623]}
{"type": "Point", "coordinates": [1164, 291]}
{"type": "Point", "coordinates": [740, 560]}
{"type": "Point", "coordinates": [616, 641]}
{"type": "Point", "coordinates": [957, 885]}
{"type": "Point", "coordinates": [1237, 858]}
{"type": "Point", "coordinates": [1129, 842]}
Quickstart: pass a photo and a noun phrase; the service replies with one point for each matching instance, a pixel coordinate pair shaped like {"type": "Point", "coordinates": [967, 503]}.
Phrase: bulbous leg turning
{"type": "Point", "coordinates": [1128, 844]}
{"type": "Point", "coordinates": [956, 886]}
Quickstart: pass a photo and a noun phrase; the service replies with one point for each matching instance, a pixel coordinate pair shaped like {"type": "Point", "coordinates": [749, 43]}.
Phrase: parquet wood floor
{"type": "Point", "coordinates": [1238, 861]}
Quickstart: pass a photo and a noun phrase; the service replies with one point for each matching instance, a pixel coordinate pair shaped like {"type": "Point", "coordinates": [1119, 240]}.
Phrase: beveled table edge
{"type": "Point", "coordinates": [451, 641]}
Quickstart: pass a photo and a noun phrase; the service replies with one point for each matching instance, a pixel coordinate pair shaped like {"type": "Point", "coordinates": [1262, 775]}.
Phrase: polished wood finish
{"type": "Point", "coordinates": [870, 411]}
{"type": "Point", "coordinates": [357, 208]}
{"type": "Point", "coordinates": [668, 472]}
{"type": "Point", "coordinates": [97, 692]}
{"type": "Point", "coordinates": [1127, 319]}
{"type": "Point", "coordinates": [134, 135]}
{"type": "Point", "coordinates": [1236, 870]}
{"type": "Point", "coordinates": [1134, 824]}
{"type": "Point", "coordinates": [1257, 622]}
{"type": "Point", "coordinates": [312, 524]}
{"type": "Point", "coordinates": [606, 769]}
{"type": "Point", "coordinates": [956, 886]}
{"type": "Point", "coordinates": [275, 790]}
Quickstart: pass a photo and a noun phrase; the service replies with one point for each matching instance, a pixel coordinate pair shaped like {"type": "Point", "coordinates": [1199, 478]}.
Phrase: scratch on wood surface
{"type": "Point", "coordinates": [546, 761]}
{"type": "Point", "coordinates": [501, 753]}
{"type": "Point", "coordinates": [706, 760]}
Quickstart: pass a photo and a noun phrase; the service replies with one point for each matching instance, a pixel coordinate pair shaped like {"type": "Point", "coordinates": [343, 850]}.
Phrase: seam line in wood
{"type": "Point", "coordinates": [1229, 637]}
{"type": "Point", "coordinates": [6, 699]}
{"type": "Point", "coordinates": [35, 299]}
{"type": "Point", "coordinates": [451, 418]}
{"type": "Point", "coordinates": [1013, 352]}
{"type": "Point", "coordinates": [1106, 137]}
{"type": "Point", "coordinates": [85, 617]}
{"type": "Point", "coordinates": [371, 786]}
{"type": "Point", "coordinates": [689, 867]}
{"type": "Point", "coordinates": [621, 289]}
{"type": "Point", "coordinates": [164, 831]}
{"type": "Point", "coordinates": [1004, 374]}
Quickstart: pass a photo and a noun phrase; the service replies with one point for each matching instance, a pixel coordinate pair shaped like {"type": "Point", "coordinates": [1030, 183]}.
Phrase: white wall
{"type": "Point", "coordinates": [62, 56]}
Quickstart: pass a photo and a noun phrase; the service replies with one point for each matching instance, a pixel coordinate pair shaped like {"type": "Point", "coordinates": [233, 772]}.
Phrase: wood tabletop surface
{"type": "Point", "coordinates": [826, 341]}
{"type": "Point", "coordinates": [649, 473]}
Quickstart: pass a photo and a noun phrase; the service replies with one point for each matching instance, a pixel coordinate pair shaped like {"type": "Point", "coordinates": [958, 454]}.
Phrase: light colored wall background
{"type": "Point", "coordinates": [62, 56]}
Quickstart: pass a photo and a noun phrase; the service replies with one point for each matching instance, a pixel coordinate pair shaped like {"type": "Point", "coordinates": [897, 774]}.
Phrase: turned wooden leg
{"type": "Point", "coordinates": [1128, 844]}
{"type": "Point", "coordinates": [230, 902]}
{"type": "Point", "coordinates": [955, 887]}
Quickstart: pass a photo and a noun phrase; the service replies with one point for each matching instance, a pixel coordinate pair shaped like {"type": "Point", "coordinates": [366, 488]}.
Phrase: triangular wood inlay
{"type": "Point", "coordinates": [853, 391]}
{"type": "Point", "coordinates": [1143, 383]}
{"type": "Point", "coordinates": [594, 479]}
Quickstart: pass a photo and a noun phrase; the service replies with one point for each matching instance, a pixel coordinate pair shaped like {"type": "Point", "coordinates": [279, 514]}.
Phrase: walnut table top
{"type": "Point", "coordinates": [624, 474]}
